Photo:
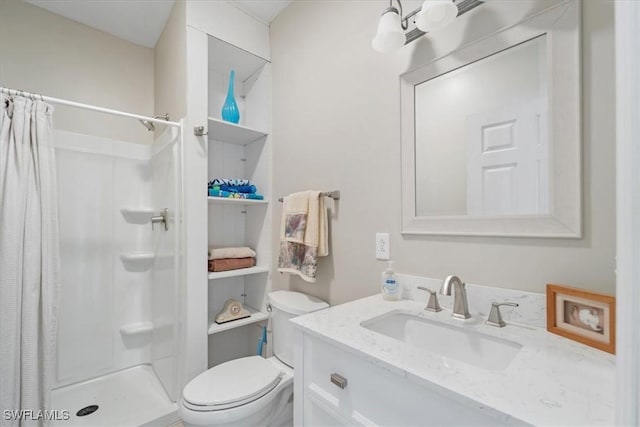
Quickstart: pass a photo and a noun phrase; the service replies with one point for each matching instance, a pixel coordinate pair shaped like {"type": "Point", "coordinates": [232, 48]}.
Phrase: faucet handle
{"type": "Point", "coordinates": [495, 317]}
{"type": "Point", "coordinates": [433, 304]}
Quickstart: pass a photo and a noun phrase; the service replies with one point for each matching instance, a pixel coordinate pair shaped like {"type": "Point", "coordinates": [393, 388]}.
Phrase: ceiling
{"type": "Point", "coordinates": [142, 21]}
{"type": "Point", "coordinates": [138, 21]}
{"type": "Point", "coordinates": [264, 11]}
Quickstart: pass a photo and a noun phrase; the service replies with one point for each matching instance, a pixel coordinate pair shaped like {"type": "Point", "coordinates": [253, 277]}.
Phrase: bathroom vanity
{"type": "Point", "coordinates": [376, 362]}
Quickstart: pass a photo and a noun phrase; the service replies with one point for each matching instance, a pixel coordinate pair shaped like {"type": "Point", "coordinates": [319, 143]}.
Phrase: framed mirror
{"type": "Point", "coordinates": [491, 134]}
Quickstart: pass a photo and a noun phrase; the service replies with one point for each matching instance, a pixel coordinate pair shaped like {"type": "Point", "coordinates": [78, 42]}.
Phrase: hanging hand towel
{"type": "Point", "coordinates": [303, 234]}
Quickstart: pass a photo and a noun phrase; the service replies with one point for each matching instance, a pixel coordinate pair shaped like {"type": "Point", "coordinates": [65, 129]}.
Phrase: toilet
{"type": "Point", "coordinates": [251, 391]}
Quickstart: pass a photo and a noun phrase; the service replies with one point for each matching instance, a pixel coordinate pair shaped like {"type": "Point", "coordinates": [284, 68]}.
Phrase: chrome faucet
{"type": "Point", "coordinates": [162, 218]}
{"type": "Point", "coordinates": [460, 304]}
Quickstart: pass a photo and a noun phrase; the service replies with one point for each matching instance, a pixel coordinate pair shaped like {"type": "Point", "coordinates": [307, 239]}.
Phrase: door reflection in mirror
{"type": "Point", "coordinates": [482, 145]}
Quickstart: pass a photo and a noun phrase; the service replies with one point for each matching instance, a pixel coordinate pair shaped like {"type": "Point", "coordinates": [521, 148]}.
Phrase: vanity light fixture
{"type": "Point", "coordinates": [393, 28]}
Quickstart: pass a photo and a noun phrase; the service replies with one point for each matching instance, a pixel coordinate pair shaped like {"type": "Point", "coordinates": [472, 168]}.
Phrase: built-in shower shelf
{"type": "Point", "coordinates": [219, 130]}
{"type": "Point", "coordinates": [256, 316]}
{"type": "Point", "coordinates": [136, 328]}
{"type": "Point", "coordinates": [137, 215]}
{"type": "Point", "coordinates": [238, 272]}
{"type": "Point", "coordinates": [238, 202]}
{"type": "Point", "coordinates": [137, 261]}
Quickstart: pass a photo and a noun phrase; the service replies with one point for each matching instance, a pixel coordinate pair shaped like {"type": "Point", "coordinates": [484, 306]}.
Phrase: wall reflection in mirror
{"type": "Point", "coordinates": [482, 138]}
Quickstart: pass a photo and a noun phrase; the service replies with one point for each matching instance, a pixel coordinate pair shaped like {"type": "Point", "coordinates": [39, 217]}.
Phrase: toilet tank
{"type": "Point", "coordinates": [287, 305]}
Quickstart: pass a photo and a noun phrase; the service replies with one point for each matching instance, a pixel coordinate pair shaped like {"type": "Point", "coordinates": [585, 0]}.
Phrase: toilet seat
{"type": "Point", "coordinates": [231, 384]}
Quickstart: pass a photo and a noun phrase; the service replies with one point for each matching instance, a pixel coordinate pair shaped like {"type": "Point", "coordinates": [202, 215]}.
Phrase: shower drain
{"type": "Point", "coordinates": [87, 410]}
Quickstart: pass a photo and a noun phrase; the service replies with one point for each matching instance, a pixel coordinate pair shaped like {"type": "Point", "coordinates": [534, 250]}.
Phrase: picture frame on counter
{"type": "Point", "coordinates": [583, 316]}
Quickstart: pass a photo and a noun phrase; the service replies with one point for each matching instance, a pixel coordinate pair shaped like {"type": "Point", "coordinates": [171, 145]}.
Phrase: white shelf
{"type": "Point", "coordinates": [238, 272]}
{"type": "Point", "coordinates": [136, 328]}
{"type": "Point", "coordinates": [239, 202]}
{"type": "Point", "coordinates": [137, 261]}
{"type": "Point", "coordinates": [256, 316]}
{"type": "Point", "coordinates": [137, 215]}
{"type": "Point", "coordinates": [137, 256]}
{"type": "Point", "coordinates": [219, 130]}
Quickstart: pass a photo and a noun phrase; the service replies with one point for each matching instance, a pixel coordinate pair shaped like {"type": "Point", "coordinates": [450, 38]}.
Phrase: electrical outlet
{"type": "Point", "coordinates": [383, 251]}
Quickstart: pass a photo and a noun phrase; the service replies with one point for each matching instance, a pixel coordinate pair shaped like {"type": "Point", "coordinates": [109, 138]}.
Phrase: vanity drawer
{"type": "Point", "coordinates": [373, 395]}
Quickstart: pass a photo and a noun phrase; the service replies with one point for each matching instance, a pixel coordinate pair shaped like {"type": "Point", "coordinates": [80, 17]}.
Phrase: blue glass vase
{"type": "Point", "coordinates": [230, 112]}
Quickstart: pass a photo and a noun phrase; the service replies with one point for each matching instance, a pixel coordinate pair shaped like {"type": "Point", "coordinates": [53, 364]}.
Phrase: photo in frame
{"type": "Point", "coordinates": [584, 316]}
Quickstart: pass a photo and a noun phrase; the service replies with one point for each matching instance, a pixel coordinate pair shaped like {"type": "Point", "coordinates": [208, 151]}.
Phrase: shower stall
{"type": "Point", "coordinates": [118, 337]}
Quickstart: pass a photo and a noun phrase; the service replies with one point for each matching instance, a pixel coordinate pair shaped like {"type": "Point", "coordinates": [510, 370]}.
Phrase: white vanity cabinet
{"type": "Point", "coordinates": [373, 394]}
{"type": "Point", "coordinates": [391, 381]}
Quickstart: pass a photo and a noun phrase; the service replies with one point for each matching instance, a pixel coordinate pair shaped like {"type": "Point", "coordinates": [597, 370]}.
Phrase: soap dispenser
{"type": "Point", "coordinates": [390, 285]}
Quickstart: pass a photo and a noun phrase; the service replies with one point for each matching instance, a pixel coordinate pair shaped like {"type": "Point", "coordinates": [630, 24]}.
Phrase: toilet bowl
{"type": "Point", "coordinates": [249, 403]}
{"type": "Point", "coordinates": [251, 391]}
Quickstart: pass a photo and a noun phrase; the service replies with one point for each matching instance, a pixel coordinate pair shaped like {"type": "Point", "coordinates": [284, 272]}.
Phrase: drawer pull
{"type": "Point", "coordinates": [339, 380]}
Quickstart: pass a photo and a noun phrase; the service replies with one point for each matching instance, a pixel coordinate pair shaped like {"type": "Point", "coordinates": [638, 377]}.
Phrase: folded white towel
{"type": "Point", "coordinates": [239, 252]}
{"type": "Point", "coordinates": [304, 234]}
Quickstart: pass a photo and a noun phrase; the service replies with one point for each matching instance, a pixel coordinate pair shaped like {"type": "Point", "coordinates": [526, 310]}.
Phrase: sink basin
{"type": "Point", "coordinates": [450, 342]}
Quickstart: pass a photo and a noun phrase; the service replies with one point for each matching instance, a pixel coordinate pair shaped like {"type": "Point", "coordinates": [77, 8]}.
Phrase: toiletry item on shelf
{"type": "Point", "coordinates": [232, 310]}
{"type": "Point", "coordinates": [226, 264]}
{"type": "Point", "coordinates": [231, 252]}
{"type": "Point", "coordinates": [390, 285]}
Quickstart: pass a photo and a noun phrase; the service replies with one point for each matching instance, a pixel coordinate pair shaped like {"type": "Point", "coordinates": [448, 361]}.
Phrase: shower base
{"type": "Point", "coordinates": [127, 398]}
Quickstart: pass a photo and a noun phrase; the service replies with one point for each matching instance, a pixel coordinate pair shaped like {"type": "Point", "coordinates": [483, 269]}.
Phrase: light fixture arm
{"type": "Point", "coordinates": [404, 21]}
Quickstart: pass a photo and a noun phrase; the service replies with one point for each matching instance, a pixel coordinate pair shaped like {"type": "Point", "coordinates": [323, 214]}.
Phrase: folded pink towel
{"type": "Point", "coordinates": [230, 264]}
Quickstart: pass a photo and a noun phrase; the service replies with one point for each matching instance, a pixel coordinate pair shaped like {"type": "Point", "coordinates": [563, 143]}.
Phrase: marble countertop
{"type": "Point", "coordinates": [552, 381]}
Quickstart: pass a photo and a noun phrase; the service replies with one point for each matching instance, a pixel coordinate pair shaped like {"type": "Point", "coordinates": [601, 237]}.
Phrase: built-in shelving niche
{"type": "Point", "coordinates": [240, 150]}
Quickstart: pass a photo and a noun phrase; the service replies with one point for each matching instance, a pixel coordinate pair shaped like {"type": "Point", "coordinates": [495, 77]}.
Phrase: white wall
{"type": "Point", "coordinates": [170, 65]}
{"type": "Point", "coordinates": [45, 53]}
{"type": "Point", "coordinates": [336, 125]}
{"type": "Point", "coordinates": [628, 213]}
{"type": "Point", "coordinates": [222, 20]}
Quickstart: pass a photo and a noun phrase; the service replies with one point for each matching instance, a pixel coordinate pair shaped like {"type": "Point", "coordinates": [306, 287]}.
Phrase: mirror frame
{"type": "Point", "coordinates": [562, 25]}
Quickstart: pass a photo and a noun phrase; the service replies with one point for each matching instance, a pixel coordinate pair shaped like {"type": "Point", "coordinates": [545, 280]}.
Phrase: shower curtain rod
{"type": "Point", "coordinates": [33, 96]}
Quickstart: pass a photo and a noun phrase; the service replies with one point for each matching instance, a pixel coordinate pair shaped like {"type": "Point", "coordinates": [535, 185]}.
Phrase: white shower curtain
{"type": "Point", "coordinates": [29, 258]}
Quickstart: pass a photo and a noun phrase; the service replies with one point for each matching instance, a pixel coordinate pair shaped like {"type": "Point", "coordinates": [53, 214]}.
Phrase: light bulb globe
{"type": "Point", "coordinates": [436, 14]}
{"type": "Point", "coordinates": [390, 36]}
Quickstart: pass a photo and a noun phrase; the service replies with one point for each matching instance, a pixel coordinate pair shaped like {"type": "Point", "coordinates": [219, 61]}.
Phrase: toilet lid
{"type": "Point", "coordinates": [235, 381]}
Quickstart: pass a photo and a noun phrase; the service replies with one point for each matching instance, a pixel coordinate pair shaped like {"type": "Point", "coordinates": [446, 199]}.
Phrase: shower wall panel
{"type": "Point", "coordinates": [166, 273]}
{"type": "Point", "coordinates": [105, 302]}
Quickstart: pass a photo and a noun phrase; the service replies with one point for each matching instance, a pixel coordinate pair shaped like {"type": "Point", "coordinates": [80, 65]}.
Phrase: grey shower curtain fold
{"type": "Point", "coordinates": [29, 258]}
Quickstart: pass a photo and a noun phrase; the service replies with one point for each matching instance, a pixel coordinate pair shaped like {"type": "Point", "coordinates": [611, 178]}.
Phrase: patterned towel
{"type": "Point", "coordinates": [303, 234]}
{"type": "Point", "coordinates": [230, 195]}
{"type": "Point", "coordinates": [229, 181]}
{"type": "Point", "coordinates": [238, 188]}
